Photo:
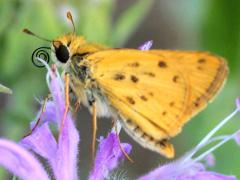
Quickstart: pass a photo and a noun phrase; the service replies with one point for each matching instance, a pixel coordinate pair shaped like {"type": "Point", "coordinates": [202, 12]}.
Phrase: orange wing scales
{"type": "Point", "coordinates": [157, 90]}
{"type": "Point", "coordinates": [210, 70]}
{"type": "Point", "coordinates": [163, 146]}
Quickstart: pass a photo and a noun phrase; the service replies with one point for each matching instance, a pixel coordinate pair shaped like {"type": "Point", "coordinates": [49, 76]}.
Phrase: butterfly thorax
{"type": "Point", "coordinates": [86, 88]}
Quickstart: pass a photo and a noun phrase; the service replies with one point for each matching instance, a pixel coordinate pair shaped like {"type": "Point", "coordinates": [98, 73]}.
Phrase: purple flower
{"type": "Point", "coordinates": [189, 167]}
{"type": "Point", "coordinates": [146, 46]}
{"type": "Point", "coordinates": [178, 171]}
{"type": "Point", "coordinates": [19, 161]}
{"type": "Point", "coordinates": [61, 155]}
{"type": "Point", "coordinates": [210, 160]}
{"type": "Point", "coordinates": [108, 156]}
{"type": "Point", "coordinates": [238, 103]}
{"type": "Point", "coordinates": [237, 138]}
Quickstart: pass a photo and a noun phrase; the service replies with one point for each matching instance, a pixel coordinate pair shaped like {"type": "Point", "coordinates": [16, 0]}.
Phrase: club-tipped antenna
{"type": "Point", "coordinates": [27, 31]}
{"type": "Point", "coordinates": [69, 16]}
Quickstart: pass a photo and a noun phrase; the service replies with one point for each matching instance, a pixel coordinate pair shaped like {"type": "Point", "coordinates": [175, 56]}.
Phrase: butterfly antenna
{"type": "Point", "coordinates": [69, 16]}
{"type": "Point", "coordinates": [27, 31]}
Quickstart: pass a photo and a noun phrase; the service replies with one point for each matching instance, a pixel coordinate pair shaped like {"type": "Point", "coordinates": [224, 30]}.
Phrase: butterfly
{"type": "Point", "coordinates": [152, 93]}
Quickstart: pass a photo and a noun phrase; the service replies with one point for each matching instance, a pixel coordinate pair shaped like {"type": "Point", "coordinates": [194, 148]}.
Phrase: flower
{"type": "Point", "coordinates": [146, 46]}
{"type": "Point", "coordinates": [61, 155]}
{"type": "Point", "coordinates": [190, 168]}
{"type": "Point", "coordinates": [237, 138]}
{"type": "Point", "coordinates": [108, 155]}
{"type": "Point", "coordinates": [19, 161]}
{"type": "Point", "coordinates": [210, 160]}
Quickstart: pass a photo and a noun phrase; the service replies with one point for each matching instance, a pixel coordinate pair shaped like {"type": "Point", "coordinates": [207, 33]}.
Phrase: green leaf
{"type": "Point", "coordinates": [129, 21]}
{"type": "Point", "coordinates": [4, 89]}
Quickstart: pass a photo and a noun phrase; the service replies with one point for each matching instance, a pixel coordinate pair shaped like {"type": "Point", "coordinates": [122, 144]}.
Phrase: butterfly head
{"type": "Point", "coordinates": [61, 51]}
{"type": "Point", "coordinates": [65, 48]}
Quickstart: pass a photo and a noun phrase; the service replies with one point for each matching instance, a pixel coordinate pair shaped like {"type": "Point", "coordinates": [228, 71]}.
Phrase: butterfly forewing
{"type": "Point", "coordinates": [157, 91]}
{"type": "Point", "coordinates": [204, 74]}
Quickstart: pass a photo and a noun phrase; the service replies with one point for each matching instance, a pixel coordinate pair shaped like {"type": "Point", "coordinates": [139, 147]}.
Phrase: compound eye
{"type": "Point", "coordinates": [62, 53]}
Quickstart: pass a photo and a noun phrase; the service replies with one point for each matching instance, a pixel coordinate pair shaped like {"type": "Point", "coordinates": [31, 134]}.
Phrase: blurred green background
{"type": "Point", "coordinates": [207, 25]}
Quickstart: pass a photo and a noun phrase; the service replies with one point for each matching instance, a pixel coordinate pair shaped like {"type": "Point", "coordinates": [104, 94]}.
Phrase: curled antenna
{"type": "Point", "coordinates": [27, 31]}
{"type": "Point", "coordinates": [42, 54]}
{"type": "Point", "coordinates": [69, 16]}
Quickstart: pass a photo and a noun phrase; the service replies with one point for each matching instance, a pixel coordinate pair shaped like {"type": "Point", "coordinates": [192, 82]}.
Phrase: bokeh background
{"type": "Point", "coordinates": [207, 25]}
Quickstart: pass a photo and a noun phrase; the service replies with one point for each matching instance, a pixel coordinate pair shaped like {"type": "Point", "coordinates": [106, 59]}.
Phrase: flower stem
{"type": "Point", "coordinates": [200, 157]}
{"type": "Point", "coordinates": [209, 135]}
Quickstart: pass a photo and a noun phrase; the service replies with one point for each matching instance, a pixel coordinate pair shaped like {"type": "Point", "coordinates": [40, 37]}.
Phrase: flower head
{"type": "Point", "coordinates": [61, 155]}
{"type": "Point", "coordinates": [108, 156]}
{"type": "Point", "coordinates": [146, 46]}
{"type": "Point", "coordinates": [19, 161]}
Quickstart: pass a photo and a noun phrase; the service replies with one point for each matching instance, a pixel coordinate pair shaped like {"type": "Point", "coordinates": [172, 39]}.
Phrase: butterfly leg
{"type": "Point", "coordinates": [77, 105]}
{"type": "Point", "coordinates": [67, 102]}
{"type": "Point", "coordinates": [40, 117]}
{"type": "Point", "coordinates": [94, 127]}
{"type": "Point", "coordinates": [117, 128]}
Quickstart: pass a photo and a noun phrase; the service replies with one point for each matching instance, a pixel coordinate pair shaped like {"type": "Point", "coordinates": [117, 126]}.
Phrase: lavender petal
{"type": "Point", "coordinates": [175, 171]}
{"type": "Point", "coordinates": [108, 156]}
{"type": "Point", "coordinates": [48, 116]}
{"type": "Point", "coordinates": [65, 166]}
{"type": "Point", "coordinates": [238, 103]}
{"type": "Point", "coordinates": [146, 46]}
{"type": "Point", "coordinates": [57, 92]}
{"type": "Point", "coordinates": [42, 142]}
{"type": "Point", "coordinates": [237, 138]}
{"type": "Point", "coordinates": [210, 160]}
{"type": "Point", "coordinates": [204, 175]}
{"type": "Point", "coordinates": [172, 171]}
{"type": "Point", "coordinates": [21, 162]}
{"type": "Point", "coordinates": [65, 161]}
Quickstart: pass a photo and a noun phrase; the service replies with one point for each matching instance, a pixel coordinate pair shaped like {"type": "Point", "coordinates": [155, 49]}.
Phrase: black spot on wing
{"type": "Point", "coordinates": [134, 78]}
{"type": "Point", "coordinates": [162, 64]}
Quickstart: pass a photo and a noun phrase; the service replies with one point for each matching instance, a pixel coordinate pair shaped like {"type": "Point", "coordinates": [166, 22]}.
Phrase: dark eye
{"type": "Point", "coordinates": [62, 53]}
